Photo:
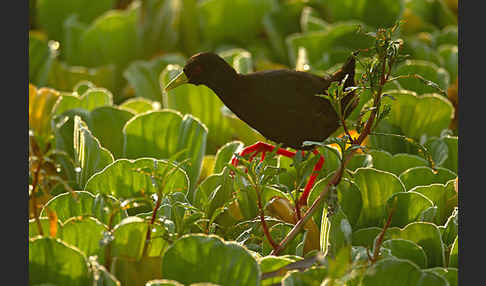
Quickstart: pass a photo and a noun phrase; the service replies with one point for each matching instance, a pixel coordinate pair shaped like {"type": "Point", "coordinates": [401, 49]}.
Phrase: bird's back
{"type": "Point", "coordinates": [283, 106]}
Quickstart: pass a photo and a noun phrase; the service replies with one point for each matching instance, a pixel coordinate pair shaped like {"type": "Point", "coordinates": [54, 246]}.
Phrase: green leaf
{"type": "Point", "coordinates": [359, 161]}
{"type": "Point", "coordinates": [85, 233]}
{"type": "Point", "coordinates": [41, 104]}
{"type": "Point", "coordinates": [53, 261]}
{"type": "Point", "coordinates": [399, 272]}
{"type": "Point", "coordinates": [272, 263]}
{"type": "Point", "coordinates": [66, 206]}
{"type": "Point", "coordinates": [214, 192]}
{"type": "Point", "coordinates": [83, 86]}
{"type": "Point", "coordinates": [209, 259]}
{"type": "Point", "coordinates": [427, 70]}
{"type": "Point", "coordinates": [41, 57]}
{"type": "Point", "coordinates": [111, 39]}
{"type": "Point", "coordinates": [310, 21]}
{"type": "Point", "coordinates": [450, 230]}
{"type": "Point", "coordinates": [163, 282]}
{"type": "Point", "coordinates": [65, 77]}
{"type": "Point", "coordinates": [130, 238]}
{"type": "Point", "coordinates": [409, 207]}
{"type": "Point", "coordinates": [349, 199]}
{"type": "Point", "coordinates": [311, 276]}
{"type": "Point", "coordinates": [218, 18]}
{"type": "Point", "coordinates": [102, 276]}
{"type": "Point", "coordinates": [453, 260]}
{"type": "Point", "coordinates": [106, 123]}
{"type": "Point", "coordinates": [336, 232]}
{"type": "Point", "coordinates": [52, 13]}
{"type": "Point", "coordinates": [45, 225]}
{"type": "Point", "coordinates": [365, 236]}
{"type": "Point", "coordinates": [280, 22]}
{"type": "Point", "coordinates": [161, 134]}
{"type": "Point", "coordinates": [139, 105]}
{"type": "Point", "coordinates": [143, 76]}
{"type": "Point", "coordinates": [328, 48]}
{"type": "Point", "coordinates": [63, 127]}
{"type": "Point", "coordinates": [89, 100]}
{"type": "Point", "coordinates": [124, 179]}
{"type": "Point", "coordinates": [396, 164]}
{"type": "Point", "coordinates": [447, 36]}
{"type": "Point", "coordinates": [385, 139]}
{"type": "Point", "coordinates": [444, 151]}
{"type": "Point", "coordinates": [379, 14]}
{"type": "Point", "coordinates": [73, 29]}
{"type": "Point", "coordinates": [89, 155]}
{"type": "Point", "coordinates": [278, 232]}
{"type": "Point", "coordinates": [132, 272]}
{"type": "Point", "coordinates": [450, 55]}
{"type": "Point", "coordinates": [417, 115]}
{"type": "Point", "coordinates": [426, 235]}
{"type": "Point", "coordinates": [427, 16]}
{"type": "Point", "coordinates": [225, 154]}
{"type": "Point", "coordinates": [424, 176]}
{"type": "Point", "coordinates": [443, 196]}
{"type": "Point", "coordinates": [420, 48]}
{"type": "Point", "coordinates": [448, 273]}
{"type": "Point", "coordinates": [406, 249]}
{"type": "Point", "coordinates": [376, 187]}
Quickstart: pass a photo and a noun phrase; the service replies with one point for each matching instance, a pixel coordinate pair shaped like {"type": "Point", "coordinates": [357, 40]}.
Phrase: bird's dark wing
{"type": "Point", "coordinates": [285, 89]}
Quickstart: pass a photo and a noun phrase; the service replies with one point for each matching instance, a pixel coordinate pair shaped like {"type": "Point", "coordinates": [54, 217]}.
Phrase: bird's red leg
{"type": "Point", "coordinates": [261, 147]}
{"type": "Point", "coordinates": [312, 179]}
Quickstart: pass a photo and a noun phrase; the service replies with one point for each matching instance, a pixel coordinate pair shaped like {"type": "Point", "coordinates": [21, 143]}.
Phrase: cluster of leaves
{"type": "Point", "coordinates": [131, 185]}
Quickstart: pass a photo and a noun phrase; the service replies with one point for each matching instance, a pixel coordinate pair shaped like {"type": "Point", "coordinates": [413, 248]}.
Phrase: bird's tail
{"type": "Point", "coordinates": [347, 69]}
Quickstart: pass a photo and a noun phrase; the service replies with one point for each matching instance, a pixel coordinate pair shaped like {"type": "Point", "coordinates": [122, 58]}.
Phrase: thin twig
{"type": "Point", "coordinates": [152, 220]}
{"type": "Point", "coordinates": [35, 184]}
{"type": "Point", "coordinates": [379, 241]}
{"type": "Point", "coordinates": [262, 220]}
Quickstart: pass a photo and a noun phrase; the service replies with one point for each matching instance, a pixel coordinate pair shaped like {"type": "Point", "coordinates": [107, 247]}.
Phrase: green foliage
{"type": "Point", "coordinates": [130, 184]}
{"type": "Point", "coordinates": [128, 178]}
{"type": "Point", "coordinates": [400, 272]}
{"type": "Point", "coordinates": [235, 266]}
{"type": "Point", "coordinates": [52, 260]}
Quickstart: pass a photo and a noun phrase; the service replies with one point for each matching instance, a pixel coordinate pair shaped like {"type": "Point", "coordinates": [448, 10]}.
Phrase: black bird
{"type": "Point", "coordinates": [281, 104]}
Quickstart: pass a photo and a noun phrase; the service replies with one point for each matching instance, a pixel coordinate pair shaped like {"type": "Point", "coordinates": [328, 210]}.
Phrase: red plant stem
{"type": "Point", "coordinates": [264, 223]}
{"type": "Point", "coordinates": [300, 224]}
{"type": "Point", "coordinates": [152, 220]}
{"type": "Point", "coordinates": [379, 241]}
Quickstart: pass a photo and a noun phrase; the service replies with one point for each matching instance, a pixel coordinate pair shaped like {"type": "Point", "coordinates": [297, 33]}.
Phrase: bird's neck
{"type": "Point", "coordinates": [224, 83]}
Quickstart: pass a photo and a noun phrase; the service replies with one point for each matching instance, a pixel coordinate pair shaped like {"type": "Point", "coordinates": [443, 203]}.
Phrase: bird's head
{"type": "Point", "coordinates": [202, 68]}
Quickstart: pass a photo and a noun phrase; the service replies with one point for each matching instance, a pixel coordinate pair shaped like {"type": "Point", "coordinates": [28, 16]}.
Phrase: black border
{"type": "Point", "coordinates": [14, 92]}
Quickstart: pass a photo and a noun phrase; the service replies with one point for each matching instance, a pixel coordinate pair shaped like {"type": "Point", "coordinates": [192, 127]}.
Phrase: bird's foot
{"type": "Point", "coordinates": [261, 147]}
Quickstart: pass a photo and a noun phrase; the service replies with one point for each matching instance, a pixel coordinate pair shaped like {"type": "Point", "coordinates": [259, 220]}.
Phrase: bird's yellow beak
{"type": "Point", "coordinates": [178, 80]}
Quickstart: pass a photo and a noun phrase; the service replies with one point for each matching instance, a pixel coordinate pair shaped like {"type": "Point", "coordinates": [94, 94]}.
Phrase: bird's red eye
{"type": "Point", "coordinates": [197, 70]}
